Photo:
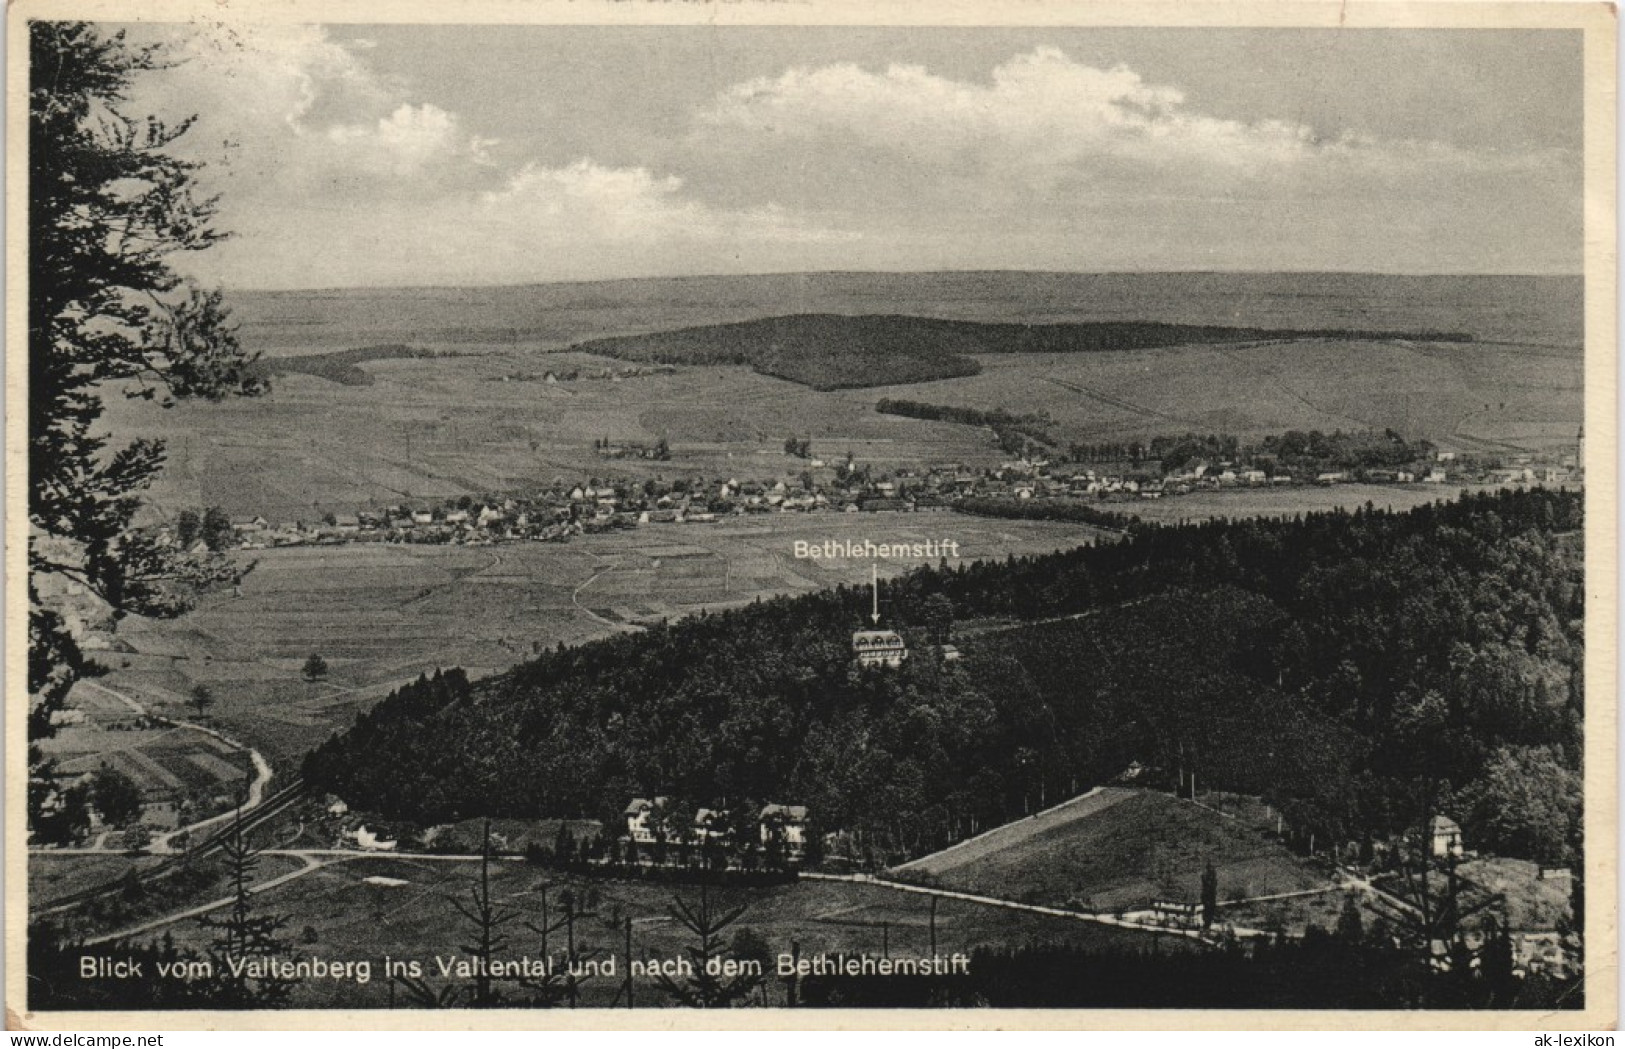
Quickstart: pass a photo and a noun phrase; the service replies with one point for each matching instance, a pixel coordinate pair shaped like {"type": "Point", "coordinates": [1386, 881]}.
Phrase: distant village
{"type": "Point", "coordinates": [1030, 485]}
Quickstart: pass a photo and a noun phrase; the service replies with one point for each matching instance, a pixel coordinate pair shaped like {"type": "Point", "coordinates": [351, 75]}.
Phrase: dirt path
{"type": "Point", "coordinates": [575, 599]}
{"type": "Point", "coordinates": [1282, 385]}
{"type": "Point", "coordinates": [310, 867]}
{"type": "Point", "coordinates": [1116, 402]}
{"type": "Point", "coordinates": [313, 860]}
{"type": "Point", "coordinates": [1124, 922]}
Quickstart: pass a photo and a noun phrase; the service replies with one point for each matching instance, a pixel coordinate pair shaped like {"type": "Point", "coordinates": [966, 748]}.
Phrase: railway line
{"type": "Point", "coordinates": [250, 819]}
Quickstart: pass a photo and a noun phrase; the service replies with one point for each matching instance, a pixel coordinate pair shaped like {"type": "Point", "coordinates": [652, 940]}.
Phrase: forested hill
{"type": "Point", "coordinates": [1361, 669]}
{"type": "Point", "coordinates": [834, 351]}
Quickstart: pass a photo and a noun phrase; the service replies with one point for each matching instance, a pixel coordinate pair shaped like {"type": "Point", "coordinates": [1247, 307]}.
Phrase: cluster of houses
{"type": "Point", "coordinates": [557, 513]}
{"type": "Point", "coordinates": [552, 377]}
{"type": "Point", "coordinates": [778, 826]}
{"type": "Point", "coordinates": [562, 510]}
{"type": "Point", "coordinates": [1199, 476]}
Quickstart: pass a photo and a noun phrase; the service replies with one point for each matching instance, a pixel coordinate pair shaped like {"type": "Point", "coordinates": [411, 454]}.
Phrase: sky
{"type": "Point", "coordinates": [419, 155]}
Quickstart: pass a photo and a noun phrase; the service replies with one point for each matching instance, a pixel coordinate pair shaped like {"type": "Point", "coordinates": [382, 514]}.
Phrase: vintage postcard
{"type": "Point", "coordinates": [937, 515]}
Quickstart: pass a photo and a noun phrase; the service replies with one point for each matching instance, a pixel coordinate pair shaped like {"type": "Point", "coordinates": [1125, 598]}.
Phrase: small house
{"type": "Point", "coordinates": [1444, 837]}
{"type": "Point", "coordinates": [366, 839]}
{"type": "Point", "coordinates": [710, 824]}
{"type": "Point", "coordinates": [638, 825]}
{"type": "Point", "coordinates": [786, 824]}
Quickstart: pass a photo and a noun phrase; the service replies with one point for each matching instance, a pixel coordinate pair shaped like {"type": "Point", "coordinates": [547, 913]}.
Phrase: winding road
{"type": "Point", "coordinates": [263, 772]}
{"type": "Point", "coordinates": [313, 860]}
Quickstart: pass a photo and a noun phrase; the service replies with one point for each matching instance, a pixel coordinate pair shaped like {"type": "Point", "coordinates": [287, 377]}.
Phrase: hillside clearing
{"type": "Point", "coordinates": [1119, 850]}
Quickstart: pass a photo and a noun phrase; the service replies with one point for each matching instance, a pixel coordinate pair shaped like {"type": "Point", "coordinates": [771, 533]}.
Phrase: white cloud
{"type": "Point", "coordinates": [409, 142]}
{"type": "Point", "coordinates": [329, 174]}
{"type": "Point", "coordinates": [1041, 108]}
{"type": "Point", "coordinates": [333, 174]}
{"type": "Point", "coordinates": [1050, 162]}
{"type": "Point", "coordinates": [578, 221]}
{"type": "Point", "coordinates": [284, 110]}
{"type": "Point", "coordinates": [621, 204]}
{"type": "Point", "coordinates": [1045, 118]}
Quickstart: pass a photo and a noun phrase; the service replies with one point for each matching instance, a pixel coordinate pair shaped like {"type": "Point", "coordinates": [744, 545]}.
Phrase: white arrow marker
{"type": "Point", "coordinates": [874, 577]}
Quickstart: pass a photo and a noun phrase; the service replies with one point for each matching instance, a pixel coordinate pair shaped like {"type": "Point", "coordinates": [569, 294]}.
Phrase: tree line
{"type": "Point", "coordinates": [1015, 433]}
{"type": "Point", "coordinates": [1046, 510]}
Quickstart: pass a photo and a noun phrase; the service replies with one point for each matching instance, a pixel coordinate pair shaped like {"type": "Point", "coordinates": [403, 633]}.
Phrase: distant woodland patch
{"type": "Point", "coordinates": [342, 366]}
{"type": "Point", "coordinates": [834, 351]}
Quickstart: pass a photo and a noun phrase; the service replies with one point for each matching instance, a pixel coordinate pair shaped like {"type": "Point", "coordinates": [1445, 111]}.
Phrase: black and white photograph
{"type": "Point", "coordinates": [663, 507]}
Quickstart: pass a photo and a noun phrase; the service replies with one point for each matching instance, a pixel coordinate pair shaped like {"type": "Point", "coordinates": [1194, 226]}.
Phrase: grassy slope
{"type": "Point", "coordinates": [1149, 846]}
{"type": "Point", "coordinates": [1015, 835]}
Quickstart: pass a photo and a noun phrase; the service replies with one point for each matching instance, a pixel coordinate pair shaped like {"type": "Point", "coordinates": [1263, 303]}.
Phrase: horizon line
{"type": "Point", "coordinates": [888, 273]}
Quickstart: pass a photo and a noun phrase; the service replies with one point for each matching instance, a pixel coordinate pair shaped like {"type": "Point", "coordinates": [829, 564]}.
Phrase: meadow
{"type": "Point", "coordinates": [478, 416]}
{"type": "Point", "coordinates": [339, 914]}
{"type": "Point", "coordinates": [1120, 852]}
{"type": "Point", "coordinates": [431, 429]}
{"type": "Point", "coordinates": [1463, 397]}
{"type": "Point", "coordinates": [427, 430]}
{"type": "Point", "coordinates": [381, 614]}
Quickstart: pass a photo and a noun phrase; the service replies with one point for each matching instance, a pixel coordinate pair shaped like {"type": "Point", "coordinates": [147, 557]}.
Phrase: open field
{"type": "Point", "coordinates": [382, 614]}
{"type": "Point", "coordinates": [352, 918]}
{"type": "Point", "coordinates": [1120, 850]}
{"type": "Point", "coordinates": [1541, 310]}
{"type": "Point", "coordinates": [1464, 396]}
{"type": "Point", "coordinates": [830, 351]}
{"type": "Point", "coordinates": [481, 418]}
{"type": "Point", "coordinates": [176, 765]}
{"type": "Point", "coordinates": [54, 875]}
{"type": "Point", "coordinates": [432, 429]}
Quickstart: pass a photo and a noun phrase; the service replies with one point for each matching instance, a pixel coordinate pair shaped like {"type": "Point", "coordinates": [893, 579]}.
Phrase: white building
{"type": "Point", "coordinates": [788, 823]}
{"type": "Point", "coordinates": [1444, 837]}
{"type": "Point", "coordinates": [638, 825]}
{"type": "Point", "coordinates": [879, 647]}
